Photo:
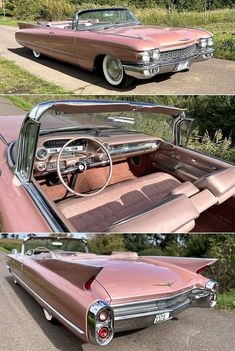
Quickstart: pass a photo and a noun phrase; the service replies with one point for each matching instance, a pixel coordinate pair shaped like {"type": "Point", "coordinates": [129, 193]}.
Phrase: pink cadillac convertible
{"type": "Point", "coordinates": [96, 296]}
{"type": "Point", "coordinates": [74, 166]}
{"type": "Point", "coordinates": [114, 41]}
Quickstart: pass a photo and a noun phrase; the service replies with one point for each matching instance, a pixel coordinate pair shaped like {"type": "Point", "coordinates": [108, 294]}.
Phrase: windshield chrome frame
{"type": "Point", "coordinates": [24, 167]}
{"type": "Point", "coordinates": [79, 13]}
{"type": "Point", "coordinates": [54, 237]}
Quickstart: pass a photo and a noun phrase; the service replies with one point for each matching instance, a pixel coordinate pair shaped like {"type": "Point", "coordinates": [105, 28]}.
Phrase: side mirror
{"type": "Point", "coordinates": [14, 252]}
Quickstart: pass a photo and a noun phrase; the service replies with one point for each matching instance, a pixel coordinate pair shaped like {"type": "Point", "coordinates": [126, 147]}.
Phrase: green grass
{"type": "Point", "coordinates": [4, 250]}
{"type": "Point", "coordinates": [224, 39]}
{"type": "Point", "coordinates": [15, 80]}
{"type": "Point", "coordinates": [6, 245]}
{"type": "Point", "coordinates": [226, 301]}
{"type": "Point", "coordinates": [8, 21]}
{"type": "Point", "coordinates": [19, 101]}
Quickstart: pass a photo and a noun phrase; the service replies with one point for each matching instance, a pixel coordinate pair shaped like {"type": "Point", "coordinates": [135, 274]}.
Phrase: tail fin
{"type": "Point", "coordinates": [195, 265]}
{"type": "Point", "coordinates": [24, 25]}
{"type": "Point", "coordinates": [77, 273]}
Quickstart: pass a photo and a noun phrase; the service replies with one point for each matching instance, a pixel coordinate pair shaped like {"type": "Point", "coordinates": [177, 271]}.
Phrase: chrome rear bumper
{"type": "Point", "coordinates": [142, 314]}
{"type": "Point", "coordinates": [152, 69]}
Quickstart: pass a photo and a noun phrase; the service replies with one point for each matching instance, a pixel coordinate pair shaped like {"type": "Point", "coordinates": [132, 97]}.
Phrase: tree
{"type": "Point", "coordinates": [105, 243]}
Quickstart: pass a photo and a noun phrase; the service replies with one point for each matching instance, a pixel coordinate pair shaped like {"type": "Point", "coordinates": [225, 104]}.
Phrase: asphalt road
{"type": "Point", "coordinates": [8, 108]}
{"type": "Point", "coordinates": [23, 327]}
{"type": "Point", "coordinates": [210, 77]}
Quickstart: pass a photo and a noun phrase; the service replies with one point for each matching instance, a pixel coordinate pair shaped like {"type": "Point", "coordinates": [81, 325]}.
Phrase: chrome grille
{"type": "Point", "coordinates": [178, 55]}
{"type": "Point", "coordinates": [151, 307]}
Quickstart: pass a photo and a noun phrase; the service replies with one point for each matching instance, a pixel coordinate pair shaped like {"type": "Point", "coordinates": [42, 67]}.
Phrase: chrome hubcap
{"type": "Point", "coordinates": [114, 69]}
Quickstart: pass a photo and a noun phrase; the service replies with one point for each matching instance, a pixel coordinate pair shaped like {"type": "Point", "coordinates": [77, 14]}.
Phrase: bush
{"type": "Point", "coordinates": [218, 146]}
{"type": "Point", "coordinates": [56, 10]}
{"type": "Point", "coordinates": [27, 9]}
{"type": "Point", "coordinates": [220, 246]}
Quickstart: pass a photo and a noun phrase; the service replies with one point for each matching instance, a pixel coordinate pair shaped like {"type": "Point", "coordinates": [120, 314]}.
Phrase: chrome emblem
{"type": "Point", "coordinates": [184, 39]}
{"type": "Point", "coordinates": [164, 284]}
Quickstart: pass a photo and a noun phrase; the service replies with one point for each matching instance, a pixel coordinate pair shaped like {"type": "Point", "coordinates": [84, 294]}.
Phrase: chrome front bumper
{"type": "Point", "coordinates": [150, 70]}
{"type": "Point", "coordinates": [142, 314]}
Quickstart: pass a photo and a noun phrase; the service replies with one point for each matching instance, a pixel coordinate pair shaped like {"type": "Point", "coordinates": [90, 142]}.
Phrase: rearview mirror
{"type": "Point", "coordinates": [57, 243]}
{"type": "Point", "coordinates": [121, 120]}
{"type": "Point", "coordinates": [14, 252]}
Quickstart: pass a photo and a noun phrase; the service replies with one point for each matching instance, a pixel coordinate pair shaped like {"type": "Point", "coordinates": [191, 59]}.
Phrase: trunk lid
{"type": "Point", "coordinates": [135, 279]}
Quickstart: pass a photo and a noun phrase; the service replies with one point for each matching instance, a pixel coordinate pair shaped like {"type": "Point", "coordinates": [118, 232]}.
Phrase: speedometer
{"type": "Point", "coordinates": [42, 154]}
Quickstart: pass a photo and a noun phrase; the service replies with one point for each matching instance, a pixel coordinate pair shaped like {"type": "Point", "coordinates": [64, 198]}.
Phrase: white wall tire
{"type": "Point", "coordinates": [36, 54]}
{"type": "Point", "coordinates": [113, 70]}
{"type": "Point", "coordinates": [49, 317]}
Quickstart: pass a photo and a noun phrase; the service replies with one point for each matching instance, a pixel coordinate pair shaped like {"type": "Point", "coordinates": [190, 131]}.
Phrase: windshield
{"type": "Point", "coordinates": [56, 244]}
{"type": "Point", "coordinates": [104, 18]}
{"type": "Point", "coordinates": [156, 124]}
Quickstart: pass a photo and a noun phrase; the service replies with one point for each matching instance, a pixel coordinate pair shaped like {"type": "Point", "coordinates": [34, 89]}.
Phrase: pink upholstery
{"type": "Point", "coordinates": [97, 213]}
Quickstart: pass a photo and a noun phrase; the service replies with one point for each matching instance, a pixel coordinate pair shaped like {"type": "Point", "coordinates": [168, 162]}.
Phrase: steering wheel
{"type": "Point", "coordinates": [83, 165]}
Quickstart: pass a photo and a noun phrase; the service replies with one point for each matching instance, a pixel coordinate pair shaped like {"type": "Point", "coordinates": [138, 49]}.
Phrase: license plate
{"type": "Point", "coordinates": [162, 317]}
{"type": "Point", "coordinates": [181, 66]}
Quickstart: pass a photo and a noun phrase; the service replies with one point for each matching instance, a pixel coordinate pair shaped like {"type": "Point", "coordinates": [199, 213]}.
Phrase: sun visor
{"type": "Point", "coordinates": [113, 107]}
{"type": "Point", "coordinates": [91, 108]}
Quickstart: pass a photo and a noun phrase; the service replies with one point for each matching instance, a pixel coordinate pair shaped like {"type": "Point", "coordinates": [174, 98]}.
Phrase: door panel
{"type": "Point", "coordinates": [62, 44]}
{"type": "Point", "coordinates": [186, 164]}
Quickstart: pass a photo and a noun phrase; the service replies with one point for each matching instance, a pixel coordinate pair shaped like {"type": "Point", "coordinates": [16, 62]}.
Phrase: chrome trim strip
{"type": "Point", "coordinates": [172, 311]}
{"type": "Point", "coordinates": [78, 330]}
{"type": "Point", "coordinates": [154, 300]}
{"type": "Point", "coordinates": [47, 212]}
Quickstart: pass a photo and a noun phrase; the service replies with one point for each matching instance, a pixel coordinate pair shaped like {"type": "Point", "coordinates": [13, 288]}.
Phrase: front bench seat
{"type": "Point", "coordinates": [116, 202]}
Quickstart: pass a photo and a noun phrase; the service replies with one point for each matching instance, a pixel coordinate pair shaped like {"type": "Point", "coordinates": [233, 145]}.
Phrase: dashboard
{"type": "Point", "coordinates": [119, 149]}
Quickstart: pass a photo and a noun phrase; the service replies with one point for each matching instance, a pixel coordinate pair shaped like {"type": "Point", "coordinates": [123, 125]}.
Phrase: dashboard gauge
{"type": "Point", "coordinates": [42, 154]}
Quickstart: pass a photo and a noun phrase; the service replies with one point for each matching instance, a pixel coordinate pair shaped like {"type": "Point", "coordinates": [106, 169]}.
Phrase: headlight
{"type": "Point", "coordinates": [145, 56]}
{"type": "Point", "coordinates": [156, 54]}
{"type": "Point", "coordinates": [203, 43]}
{"type": "Point", "coordinates": [210, 41]}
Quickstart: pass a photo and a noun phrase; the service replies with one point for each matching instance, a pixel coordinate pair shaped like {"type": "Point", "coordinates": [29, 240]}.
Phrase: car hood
{"type": "Point", "coordinates": [159, 36]}
{"type": "Point", "coordinates": [134, 279]}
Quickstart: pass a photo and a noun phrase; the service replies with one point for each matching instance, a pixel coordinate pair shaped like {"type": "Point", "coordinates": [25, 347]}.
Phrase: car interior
{"type": "Point", "coordinates": [127, 181]}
